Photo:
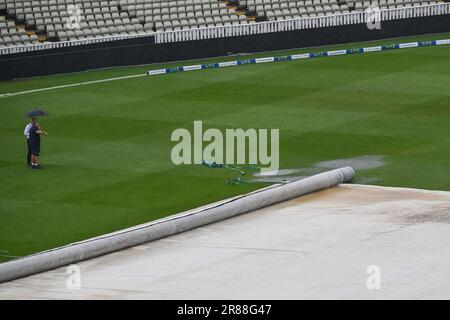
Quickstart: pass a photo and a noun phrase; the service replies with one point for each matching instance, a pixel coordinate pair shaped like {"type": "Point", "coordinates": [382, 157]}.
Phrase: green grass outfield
{"type": "Point", "coordinates": [107, 158]}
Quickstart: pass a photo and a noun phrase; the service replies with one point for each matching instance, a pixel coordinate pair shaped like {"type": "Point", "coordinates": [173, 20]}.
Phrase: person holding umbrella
{"type": "Point", "coordinates": [34, 137]}
{"type": "Point", "coordinates": [26, 132]}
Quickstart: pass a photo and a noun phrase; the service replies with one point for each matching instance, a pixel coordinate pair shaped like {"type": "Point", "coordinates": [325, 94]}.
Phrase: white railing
{"type": "Point", "coordinates": [301, 23]}
{"type": "Point", "coordinates": [64, 44]}
{"type": "Point", "coordinates": [251, 29]}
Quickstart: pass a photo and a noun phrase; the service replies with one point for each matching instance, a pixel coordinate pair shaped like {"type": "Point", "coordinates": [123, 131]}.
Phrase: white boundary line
{"type": "Point", "coordinates": [13, 94]}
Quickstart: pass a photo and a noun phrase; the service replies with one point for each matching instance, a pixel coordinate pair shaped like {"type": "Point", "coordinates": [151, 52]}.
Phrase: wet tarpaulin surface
{"type": "Point", "coordinates": [317, 246]}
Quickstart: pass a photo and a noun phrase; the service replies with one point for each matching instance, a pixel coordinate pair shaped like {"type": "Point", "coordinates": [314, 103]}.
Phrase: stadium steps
{"type": "Point", "coordinates": [15, 31]}
{"type": "Point", "coordinates": [242, 9]}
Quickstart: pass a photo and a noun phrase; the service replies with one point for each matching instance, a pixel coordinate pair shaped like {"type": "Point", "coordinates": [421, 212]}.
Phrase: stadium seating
{"type": "Point", "coordinates": [290, 9]}
{"type": "Point", "coordinates": [31, 21]}
{"type": "Point", "coordinates": [25, 22]}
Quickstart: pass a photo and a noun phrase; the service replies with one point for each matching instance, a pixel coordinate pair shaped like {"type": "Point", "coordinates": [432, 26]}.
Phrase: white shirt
{"type": "Point", "coordinates": [26, 132]}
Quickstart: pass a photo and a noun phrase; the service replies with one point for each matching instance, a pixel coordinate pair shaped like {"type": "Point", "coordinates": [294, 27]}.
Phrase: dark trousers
{"type": "Point", "coordinates": [29, 152]}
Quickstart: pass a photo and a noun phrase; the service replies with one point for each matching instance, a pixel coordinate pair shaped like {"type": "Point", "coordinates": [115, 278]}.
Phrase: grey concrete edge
{"type": "Point", "coordinates": [172, 225]}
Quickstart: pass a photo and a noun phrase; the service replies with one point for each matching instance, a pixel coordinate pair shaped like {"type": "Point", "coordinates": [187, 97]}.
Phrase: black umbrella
{"type": "Point", "coordinates": [37, 113]}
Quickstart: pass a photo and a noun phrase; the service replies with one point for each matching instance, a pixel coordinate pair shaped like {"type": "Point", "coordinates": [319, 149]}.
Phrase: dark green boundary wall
{"type": "Point", "coordinates": [145, 51]}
